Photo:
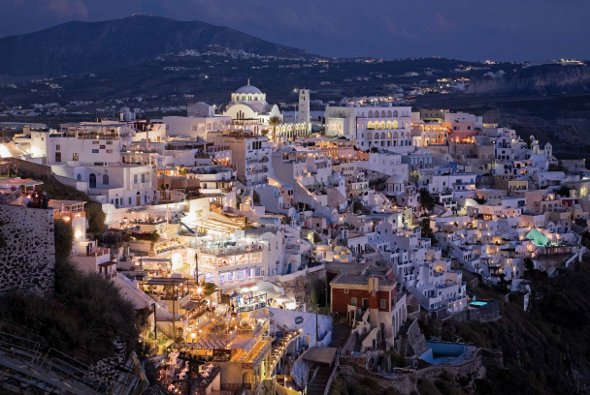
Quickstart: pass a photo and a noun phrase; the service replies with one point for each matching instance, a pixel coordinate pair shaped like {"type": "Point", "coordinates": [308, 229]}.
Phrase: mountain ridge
{"type": "Point", "coordinates": [82, 47]}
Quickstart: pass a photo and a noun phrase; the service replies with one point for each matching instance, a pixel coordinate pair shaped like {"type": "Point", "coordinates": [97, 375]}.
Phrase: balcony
{"type": "Point", "coordinates": [253, 332]}
{"type": "Point", "coordinates": [228, 251]}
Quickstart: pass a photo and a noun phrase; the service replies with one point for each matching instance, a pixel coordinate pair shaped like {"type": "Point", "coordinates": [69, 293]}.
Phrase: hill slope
{"type": "Point", "coordinates": [79, 47]}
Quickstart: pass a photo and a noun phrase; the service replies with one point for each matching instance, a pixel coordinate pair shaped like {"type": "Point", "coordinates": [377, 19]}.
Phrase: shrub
{"type": "Point", "coordinates": [63, 236]}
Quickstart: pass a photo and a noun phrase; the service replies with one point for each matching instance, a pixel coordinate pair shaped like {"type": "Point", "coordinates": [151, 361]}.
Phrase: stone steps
{"type": "Point", "coordinates": [318, 379]}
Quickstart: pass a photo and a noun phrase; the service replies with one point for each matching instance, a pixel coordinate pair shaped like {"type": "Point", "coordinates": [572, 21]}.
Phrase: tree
{"type": "Point", "coordinates": [358, 206]}
{"type": "Point", "coordinates": [209, 288]}
{"type": "Point", "coordinates": [274, 122]}
{"type": "Point", "coordinates": [426, 229]}
{"type": "Point", "coordinates": [479, 200]}
{"type": "Point", "coordinates": [83, 316]}
{"type": "Point", "coordinates": [426, 199]}
{"type": "Point", "coordinates": [96, 217]}
{"type": "Point", "coordinates": [529, 264]}
{"type": "Point", "coordinates": [63, 238]}
{"type": "Point", "coordinates": [563, 191]}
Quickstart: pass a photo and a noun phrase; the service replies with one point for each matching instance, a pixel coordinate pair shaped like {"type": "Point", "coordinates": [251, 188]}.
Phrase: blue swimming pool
{"type": "Point", "coordinates": [478, 303]}
{"type": "Point", "coordinates": [440, 352]}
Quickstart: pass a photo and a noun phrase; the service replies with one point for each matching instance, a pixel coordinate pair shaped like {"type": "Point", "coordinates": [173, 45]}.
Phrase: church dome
{"type": "Point", "coordinates": [250, 89]}
{"type": "Point", "coordinates": [395, 179]}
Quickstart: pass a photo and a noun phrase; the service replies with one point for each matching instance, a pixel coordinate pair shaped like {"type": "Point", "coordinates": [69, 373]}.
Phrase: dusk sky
{"type": "Point", "coordinates": [534, 30]}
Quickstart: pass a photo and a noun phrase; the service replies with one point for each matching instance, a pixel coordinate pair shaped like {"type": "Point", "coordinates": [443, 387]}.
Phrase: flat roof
{"type": "Point", "coordinates": [166, 281]}
{"type": "Point", "coordinates": [324, 355]}
{"type": "Point", "coordinates": [7, 182]}
{"type": "Point", "coordinates": [59, 203]}
{"type": "Point", "coordinates": [360, 279]}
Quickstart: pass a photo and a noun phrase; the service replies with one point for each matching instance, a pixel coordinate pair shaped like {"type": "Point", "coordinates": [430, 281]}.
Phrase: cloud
{"type": "Point", "coordinates": [66, 8]}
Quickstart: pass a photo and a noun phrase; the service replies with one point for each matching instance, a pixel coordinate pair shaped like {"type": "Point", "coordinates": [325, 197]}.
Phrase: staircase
{"type": "Point", "coordinates": [25, 368]}
{"type": "Point", "coordinates": [319, 381]}
{"type": "Point", "coordinates": [340, 333]}
{"type": "Point", "coordinates": [319, 375]}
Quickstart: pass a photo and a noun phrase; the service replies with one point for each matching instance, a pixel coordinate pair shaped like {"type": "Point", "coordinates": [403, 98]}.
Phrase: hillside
{"type": "Point", "coordinates": [81, 47]}
{"type": "Point", "coordinates": [545, 349]}
{"type": "Point", "coordinates": [543, 79]}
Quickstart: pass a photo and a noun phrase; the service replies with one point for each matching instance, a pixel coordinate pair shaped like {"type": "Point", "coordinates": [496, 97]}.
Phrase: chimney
{"type": "Point", "coordinates": [374, 301]}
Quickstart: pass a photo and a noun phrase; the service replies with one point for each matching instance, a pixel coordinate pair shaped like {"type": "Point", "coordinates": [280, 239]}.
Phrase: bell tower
{"type": "Point", "coordinates": [303, 112]}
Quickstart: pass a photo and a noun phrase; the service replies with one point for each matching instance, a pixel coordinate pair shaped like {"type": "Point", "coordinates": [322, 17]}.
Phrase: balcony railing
{"type": "Point", "coordinates": [231, 251]}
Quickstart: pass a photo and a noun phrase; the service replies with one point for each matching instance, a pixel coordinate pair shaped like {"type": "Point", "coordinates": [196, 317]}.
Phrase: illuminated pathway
{"type": "Point", "coordinates": [279, 350]}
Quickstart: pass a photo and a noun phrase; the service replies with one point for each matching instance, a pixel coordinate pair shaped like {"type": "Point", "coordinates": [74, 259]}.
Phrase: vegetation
{"type": "Point", "coordinates": [57, 190]}
{"type": "Point", "coordinates": [358, 207]}
{"type": "Point", "coordinates": [274, 122]}
{"type": "Point", "coordinates": [547, 349]}
{"type": "Point", "coordinates": [209, 288]}
{"type": "Point", "coordinates": [480, 200]}
{"type": "Point", "coordinates": [426, 229]}
{"type": "Point", "coordinates": [63, 236]}
{"type": "Point", "coordinates": [378, 184]}
{"type": "Point", "coordinates": [564, 191]}
{"type": "Point", "coordinates": [355, 385]}
{"type": "Point", "coordinates": [442, 385]}
{"type": "Point", "coordinates": [426, 200]}
{"type": "Point", "coordinates": [83, 316]}
{"type": "Point", "coordinates": [147, 236]}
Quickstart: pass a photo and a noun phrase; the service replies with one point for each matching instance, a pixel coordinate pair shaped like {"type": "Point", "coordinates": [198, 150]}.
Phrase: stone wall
{"type": "Point", "coordinates": [411, 342]}
{"type": "Point", "coordinates": [30, 168]}
{"type": "Point", "coordinates": [27, 250]}
{"type": "Point", "coordinates": [301, 287]}
{"type": "Point", "coordinates": [487, 313]}
{"type": "Point", "coordinates": [404, 379]}
{"type": "Point", "coordinates": [354, 366]}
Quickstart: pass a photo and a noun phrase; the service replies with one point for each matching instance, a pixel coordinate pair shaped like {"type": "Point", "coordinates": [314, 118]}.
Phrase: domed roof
{"type": "Point", "coordinates": [249, 89]}
{"type": "Point", "coordinates": [395, 179]}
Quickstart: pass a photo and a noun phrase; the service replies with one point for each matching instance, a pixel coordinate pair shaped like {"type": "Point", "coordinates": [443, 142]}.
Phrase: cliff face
{"type": "Point", "coordinates": [545, 79]}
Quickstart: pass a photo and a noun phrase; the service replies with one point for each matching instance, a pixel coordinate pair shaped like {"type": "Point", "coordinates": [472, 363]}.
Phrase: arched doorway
{"type": "Point", "coordinates": [92, 180]}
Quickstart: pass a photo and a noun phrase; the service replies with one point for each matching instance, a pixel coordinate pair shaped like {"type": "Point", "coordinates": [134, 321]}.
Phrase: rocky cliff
{"type": "Point", "coordinates": [545, 79]}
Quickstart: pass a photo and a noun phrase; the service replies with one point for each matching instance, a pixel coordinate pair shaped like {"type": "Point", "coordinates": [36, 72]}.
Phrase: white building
{"type": "Point", "coordinates": [249, 103]}
{"type": "Point", "coordinates": [251, 155]}
{"type": "Point", "coordinates": [88, 156]}
{"type": "Point", "coordinates": [200, 120]}
{"type": "Point", "coordinates": [387, 128]}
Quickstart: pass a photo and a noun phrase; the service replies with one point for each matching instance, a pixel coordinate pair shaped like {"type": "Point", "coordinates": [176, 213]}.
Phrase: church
{"type": "Point", "coordinates": [249, 103]}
